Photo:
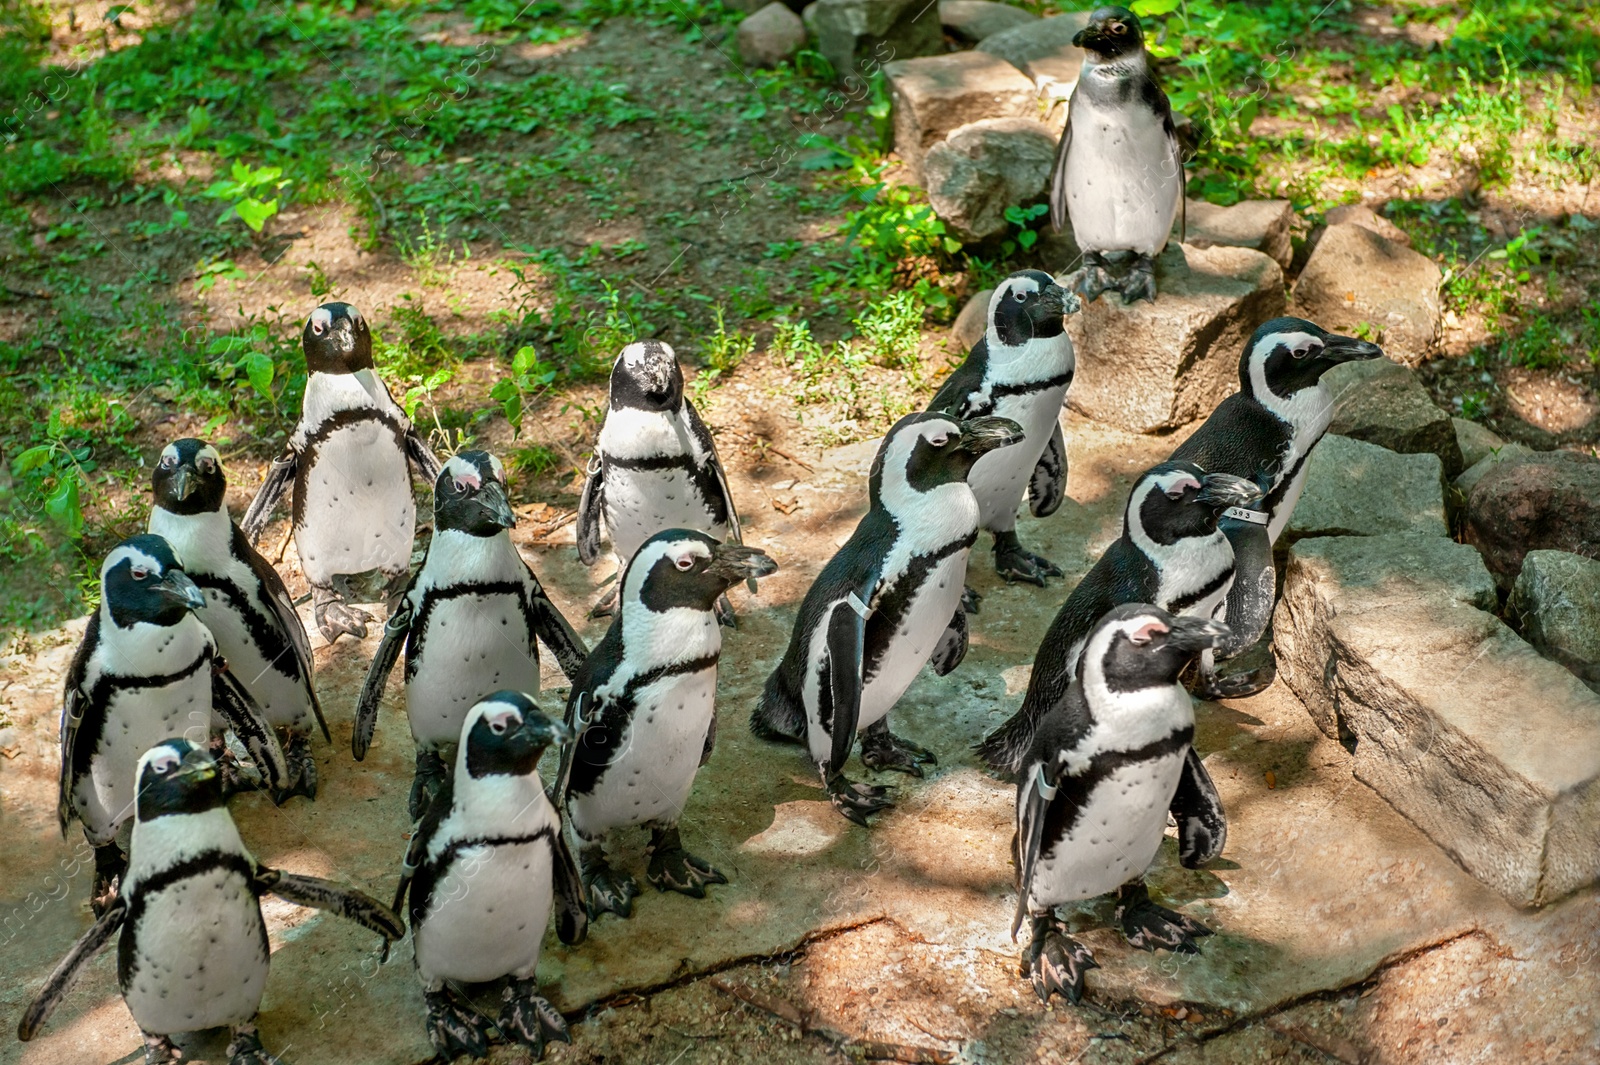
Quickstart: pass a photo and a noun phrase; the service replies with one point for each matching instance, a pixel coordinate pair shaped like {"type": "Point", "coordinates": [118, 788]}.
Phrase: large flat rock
{"type": "Point", "coordinates": [1354, 488]}
{"type": "Point", "coordinates": [1490, 749]}
{"type": "Point", "coordinates": [1383, 403]}
{"type": "Point", "coordinates": [936, 95]}
{"type": "Point", "coordinates": [859, 36]}
{"type": "Point", "coordinates": [1261, 225]}
{"type": "Point", "coordinates": [1043, 50]}
{"type": "Point", "coordinates": [984, 167]}
{"type": "Point", "coordinates": [1356, 276]}
{"type": "Point", "coordinates": [973, 20]}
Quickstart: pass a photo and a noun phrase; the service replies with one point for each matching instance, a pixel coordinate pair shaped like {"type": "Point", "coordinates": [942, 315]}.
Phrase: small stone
{"type": "Point", "coordinates": [1354, 488]}
{"type": "Point", "coordinates": [1477, 442]}
{"type": "Point", "coordinates": [937, 95]}
{"type": "Point", "coordinates": [1475, 472]}
{"type": "Point", "coordinates": [973, 20]}
{"type": "Point", "coordinates": [985, 167]}
{"type": "Point", "coordinates": [770, 36]}
{"type": "Point", "coordinates": [859, 36]}
{"type": "Point", "coordinates": [1356, 276]}
{"type": "Point", "coordinates": [1547, 499]}
{"type": "Point", "coordinates": [1383, 403]}
{"type": "Point", "coordinates": [973, 321]}
{"type": "Point", "coordinates": [1262, 225]}
{"type": "Point", "coordinates": [1043, 50]}
{"type": "Point", "coordinates": [1356, 214]}
{"type": "Point", "coordinates": [1556, 601]}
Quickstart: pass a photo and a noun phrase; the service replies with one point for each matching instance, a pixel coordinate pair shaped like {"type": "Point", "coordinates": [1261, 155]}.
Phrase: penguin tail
{"type": "Point", "coordinates": [779, 716]}
{"type": "Point", "coordinates": [1005, 747]}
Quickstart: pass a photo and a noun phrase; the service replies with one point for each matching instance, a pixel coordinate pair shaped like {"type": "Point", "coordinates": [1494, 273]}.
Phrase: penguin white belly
{"type": "Point", "coordinates": [487, 915]}
{"type": "Point", "coordinates": [357, 510]}
{"type": "Point", "coordinates": [136, 720]}
{"type": "Point", "coordinates": [1115, 838]}
{"type": "Point", "coordinates": [641, 503]}
{"type": "Point", "coordinates": [1122, 180]}
{"type": "Point", "coordinates": [653, 769]}
{"type": "Point", "coordinates": [282, 698]}
{"type": "Point", "coordinates": [1285, 509]}
{"type": "Point", "coordinates": [474, 646]}
{"type": "Point", "coordinates": [199, 955]}
{"type": "Point", "coordinates": [916, 634]}
{"type": "Point", "coordinates": [1000, 478]}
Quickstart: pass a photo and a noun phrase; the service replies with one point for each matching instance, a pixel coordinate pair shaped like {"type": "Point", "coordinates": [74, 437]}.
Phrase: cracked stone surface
{"type": "Point", "coordinates": [1354, 488]}
{"type": "Point", "coordinates": [897, 935]}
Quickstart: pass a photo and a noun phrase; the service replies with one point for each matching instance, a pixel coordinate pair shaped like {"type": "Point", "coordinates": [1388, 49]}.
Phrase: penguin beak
{"type": "Point", "coordinates": [1349, 349]}
{"type": "Point", "coordinates": [542, 732]}
{"type": "Point", "coordinates": [183, 482]}
{"type": "Point", "coordinates": [1195, 634]}
{"type": "Point", "coordinates": [979, 436]}
{"type": "Point", "coordinates": [197, 766]}
{"type": "Point", "coordinates": [1052, 303]}
{"type": "Point", "coordinates": [1222, 490]}
{"type": "Point", "coordinates": [733, 563]}
{"type": "Point", "coordinates": [492, 498]}
{"type": "Point", "coordinates": [177, 587]}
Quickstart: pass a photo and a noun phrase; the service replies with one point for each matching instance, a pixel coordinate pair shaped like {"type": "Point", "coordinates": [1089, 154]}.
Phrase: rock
{"type": "Point", "coordinates": [770, 36]}
{"type": "Point", "coordinates": [1356, 214]}
{"type": "Point", "coordinates": [1043, 50]}
{"type": "Point", "coordinates": [1152, 367]}
{"type": "Point", "coordinates": [860, 36]}
{"type": "Point", "coordinates": [972, 322]}
{"type": "Point", "coordinates": [985, 167]}
{"type": "Point", "coordinates": [1383, 403]}
{"type": "Point", "coordinates": [1468, 480]}
{"type": "Point", "coordinates": [1556, 601]}
{"type": "Point", "coordinates": [1356, 276]}
{"type": "Point", "coordinates": [1354, 488]}
{"type": "Point", "coordinates": [1477, 442]}
{"type": "Point", "coordinates": [973, 20]}
{"type": "Point", "coordinates": [1547, 499]}
{"type": "Point", "coordinates": [1262, 225]}
{"type": "Point", "coordinates": [1489, 749]}
{"type": "Point", "coordinates": [937, 95]}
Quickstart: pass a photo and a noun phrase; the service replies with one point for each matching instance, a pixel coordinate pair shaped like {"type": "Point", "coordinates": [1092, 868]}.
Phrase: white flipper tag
{"type": "Point", "coordinates": [1254, 517]}
{"type": "Point", "coordinates": [1047, 791]}
{"type": "Point", "coordinates": [858, 606]}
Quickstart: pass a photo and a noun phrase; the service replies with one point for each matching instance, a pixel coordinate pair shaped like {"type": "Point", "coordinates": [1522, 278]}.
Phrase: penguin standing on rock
{"type": "Point", "coordinates": [247, 608]}
{"type": "Point", "coordinates": [469, 622]}
{"type": "Point", "coordinates": [193, 951]}
{"type": "Point", "coordinates": [1021, 370]}
{"type": "Point", "coordinates": [655, 466]}
{"type": "Point", "coordinates": [354, 512]}
{"type": "Point", "coordinates": [889, 601]}
{"type": "Point", "coordinates": [485, 868]}
{"type": "Point", "coordinates": [1119, 169]}
{"type": "Point", "coordinates": [1109, 762]}
{"type": "Point", "coordinates": [1170, 553]}
{"type": "Point", "coordinates": [644, 707]}
{"type": "Point", "coordinates": [147, 671]}
{"type": "Point", "coordinates": [1264, 433]}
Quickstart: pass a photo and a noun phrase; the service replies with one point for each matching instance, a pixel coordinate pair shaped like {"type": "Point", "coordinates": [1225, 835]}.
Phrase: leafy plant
{"type": "Point", "coordinates": [529, 378]}
{"type": "Point", "coordinates": [58, 474]}
{"type": "Point", "coordinates": [1023, 218]}
{"type": "Point", "coordinates": [244, 190]}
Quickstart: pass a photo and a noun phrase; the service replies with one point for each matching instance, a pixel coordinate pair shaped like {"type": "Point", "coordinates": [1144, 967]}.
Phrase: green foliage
{"type": "Point", "coordinates": [528, 378]}
{"type": "Point", "coordinates": [243, 191]}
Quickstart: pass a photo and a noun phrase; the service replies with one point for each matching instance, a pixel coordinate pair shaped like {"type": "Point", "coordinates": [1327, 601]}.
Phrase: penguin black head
{"type": "Point", "coordinates": [142, 581]}
{"type": "Point", "coordinates": [470, 495]}
{"type": "Point", "coordinates": [929, 449]}
{"type": "Point", "coordinates": [1112, 33]}
{"type": "Point", "coordinates": [505, 734]}
{"type": "Point", "coordinates": [188, 478]}
{"type": "Point", "coordinates": [336, 340]}
{"type": "Point", "coordinates": [1027, 304]}
{"type": "Point", "coordinates": [681, 568]}
{"type": "Point", "coordinates": [176, 777]}
{"type": "Point", "coordinates": [1177, 500]}
{"type": "Point", "coordinates": [1137, 646]}
{"type": "Point", "coordinates": [1288, 354]}
{"type": "Point", "coordinates": [646, 376]}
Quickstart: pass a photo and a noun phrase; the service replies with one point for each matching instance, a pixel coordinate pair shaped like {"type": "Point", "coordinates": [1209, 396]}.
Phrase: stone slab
{"type": "Point", "coordinates": [1044, 51]}
{"type": "Point", "coordinates": [936, 95]}
{"type": "Point", "coordinates": [983, 168]}
{"type": "Point", "coordinates": [973, 20]}
{"type": "Point", "coordinates": [1544, 499]}
{"type": "Point", "coordinates": [1356, 276]}
{"type": "Point", "coordinates": [1354, 488]}
{"type": "Point", "coordinates": [1476, 441]}
{"type": "Point", "coordinates": [1261, 225]}
{"type": "Point", "coordinates": [1383, 403]}
{"type": "Point", "coordinates": [770, 36]}
{"type": "Point", "coordinates": [859, 36]}
{"type": "Point", "coordinates": [1556, 602]}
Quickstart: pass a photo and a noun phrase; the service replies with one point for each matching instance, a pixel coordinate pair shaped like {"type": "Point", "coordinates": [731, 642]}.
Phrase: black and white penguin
{"type": "Point", "coordinates": [1170, 553]}
{"type": "Point", "coordinates": [1021, 370]}
{"type": "Point", "coordinates": [354, 512]}
{"type": "Point", "coordinates": [247, 608]}
{"type": "Point", "coordinates": [644, 709]}
{"type": "Point", "coordinates": [655, 465]}
{"type": "Point", "coordinates": [1119, 168]}
{"type": "Point", "coordinates": [469, 621]}
{"type": "Point", "coordinates": [1264, 433]}
{"type": "Point", "coordinates": [193, 952]}
{"type": "Point", "coordinates": [147, 671]}
{"type": "Point", "coordinates": [1109, 762]}
{"type": "Point", "coordinates": [888, 602]}
{"type": "Point", "coordinates": [485, 868]}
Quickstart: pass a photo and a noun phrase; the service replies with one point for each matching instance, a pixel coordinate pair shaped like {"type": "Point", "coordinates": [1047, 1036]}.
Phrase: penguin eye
{"type": "Point", "coordinates": [318, 328]}
{"type": "Point", "coordinates": [1303, 351]}
{"type": "Point", "coordinates": [140, 573]}
{"type": "Point", "coordinates": [1020, 296]}
{"type": "Point", "coordinates": [498, 725]}
{"type": "Point", "coordinates": [1117, 29]}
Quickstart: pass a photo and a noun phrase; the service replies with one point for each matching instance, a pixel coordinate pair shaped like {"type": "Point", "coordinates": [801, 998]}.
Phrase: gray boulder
{"type": "Point", "coordinates": [1356, 276]}
{"type": "Point", "coordinates": [859, 36]}
{"type": "Point", "coordinates": [936, 95]}
{"type": "Point", "coordinates": [1043, 50]}
{"type": "Point", "coordinates": [1475, 473]}
{"type": "Point", "coordinates": [1383, 403]}
{"type": "Point", "coordinates": [1545, 499]}
{"type": "Point", "coordinates": [1354, 488]}
{"type": "Point", "coordinates": [972, 322]}
{"type": "Point", "coordinates": [1556, 601]}
{"type": "Point", "coordinates": [973, 20]}
{"type": "Point", "coordinates": [770, 36]}
{"type": "Point", "coordinates": [1262, 225]}
{"type": "Point", "coordinates": [1356, 214]}
{"type": "Point", "coordinates": [985, 167]}
{"type": "Point", "coordinates": [1477, 442]}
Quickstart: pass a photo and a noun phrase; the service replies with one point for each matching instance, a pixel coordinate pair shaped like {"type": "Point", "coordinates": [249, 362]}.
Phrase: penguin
{"type": "Point", "coordinates": [889, 601]}
{"type": "Point", "coordinates": [247, 608]}
{"type": "Point", "coordinates": [1264, 433]}
{"type": "Point", "coordinates": [1119, 169]}
{"type": "Point", "coordinates": [354, 511]}
{"type": "Point", "coordinates": [1110, 761]}
{"type": "Point", "coordinates": [468, 621]}
{"type": "Point", "coordinates": [1170, 553]}
{"type": "Point", "coordinates": [146, 671]}
{"type": "Point", "coordinates": [643, 706]}
{"type": "Point", "coordinates": [1020, 369]}
{"type": "Point", "coordinates": [486, 867]}
{"type": "Point", "coordinates": [655, 466]}
{"type": "Point", "coordinates": [193, 951]}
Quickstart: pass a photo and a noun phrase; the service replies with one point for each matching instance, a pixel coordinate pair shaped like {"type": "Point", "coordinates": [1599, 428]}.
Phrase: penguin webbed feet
{"type": "Point", "coordinates": [607, 604]}
{"type": "Point", "coordinates": [1092, 278]}
{"type": "Point", "coordinates": [725, 615]}
{"type": "Point", "coordinates": [883, 750]}
{"type": "Point", "coordinates": [1148, 926]}
{"type": "Point", "coordinates": [427, 783]}
{"type": "Point", "coordinates": [1014, 563]}
{"type": "Point", "coordinates": [1055, 962]}
{"type": "Point", "coordinates": [856, 802]}
{"type": "Point", "coordinates": [302, 771]}
{"type": "Point", "coordinates": [160, 1049]}
{"type": "Point", "coordinates": [530, 1019]}
{"type": "Point", "coordinates": [337, 618]}
{"type": "Point", "coordinates": [236, 776]}
{"type": "Point", "coordinates": [674, 869]}
{"type": "Point", "coordinates": [245, 1048]}
{"type": "Point", "coordinates": [971, 601]}
{"type": "Point", "coordinates": [609, 891]}
{"type": "Point", "coordinates": [1250, 672]}
{"type": "Point", "coordinates": [1140, 284]}
{"type": "Point", "coordinates": [455, 1028]}
{"type": "Point", "coordinates": [109, 865]}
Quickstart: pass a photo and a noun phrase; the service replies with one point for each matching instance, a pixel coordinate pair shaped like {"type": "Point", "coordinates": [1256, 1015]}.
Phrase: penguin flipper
{"type": "Point", "coordinates": [1058, 176]}
{"type": "Point", "coordinates": [320, 894]}
{"type": "Point", "coordinates": [551, 626]}
{"type": "Point", "coordinates": [1047, 487]}
{"type": "Point", "coordinates": [394, 638]}
{"type": "Point", "coordinates": [1196, 806]}
{"type": "Point", "coordinates": [847, 631]}
{"type": "Point", "coordinates": [952, 646]}
{"type": "Point", "coordinates": [571, 900]}
{"type": "Point", "coordinates": [422, 456]}
{"type": "Point", "coordinates": [73, 705]}
{"type": "Point", "coordinates": [711, 739]}
{"type": "Point", "coordinates": [966, 381]}
{"type": "Point", "coordinates": [276, 595]}
{"type": "Point", "coordinates": [1033, 803]}
{"type": "Point", "coordinates": [272, 488]}
{"type": "Point", "coordinates": [243, 715]}
{"type": "Point", "coordinates": [71, 967]}
{"type": "Point", "coordinates": [590, 505]}
{"type": "Point", "coordinates": [702, 436]}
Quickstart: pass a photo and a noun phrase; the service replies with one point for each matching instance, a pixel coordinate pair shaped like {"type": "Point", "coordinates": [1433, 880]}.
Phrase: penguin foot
{"type": "Point", "coordinates": [429, 779]}
{"type": "Point", "coordinates": [856, 801]}
{"type": "Point", "coordinates": [160, 1049]}
{"type": "Point", "coordinates": [1140, 284]}
{"type": "Point", "coordinates": [109, 865]}
{"type": "Point", "coordinates": [530, 1019]}
{"type": "Point", "coordinates": [1012, 563]}
{"type": "Point", "coordinates": [1248, 673]}
{"type": "Point", "coordinates": [245, 1047]}
{"type": "Point", "coordinates": [609, 890]}
{"type": "Point", "coordinates": [607, 604]}
{"type": "Point", "coordinates": [1056, 963]}
{"type": "Point", "coordinates": [1092, 278]}
{"type": "Point", "coordinates": [302, 771]}
{"type": "Point", "coordinates": [724, 612]}
{"type": "Point", "coordinates": [335, 619]}
{"type": "Point", "coordinates": [970, 600]}
{"type": "Point", "coordinates": [883, 750]}
{"type": "Point", "coordinates": [674, 869]}
{"type": "Point", "coordinates": [455, 1029]}
{"type": "Point", "coordinates": [236, 777]}
{"type": "Point", "coordinates": [1148, 926]}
